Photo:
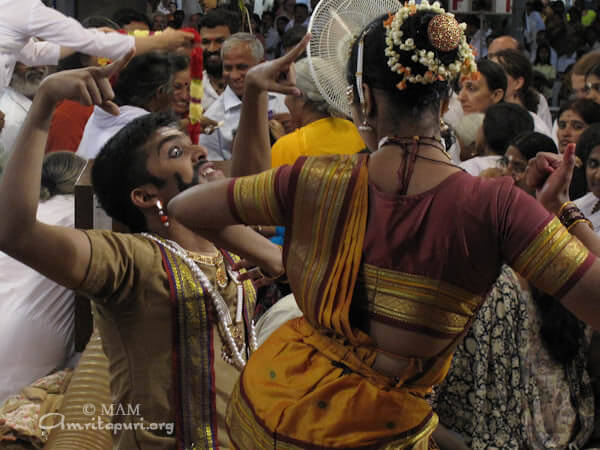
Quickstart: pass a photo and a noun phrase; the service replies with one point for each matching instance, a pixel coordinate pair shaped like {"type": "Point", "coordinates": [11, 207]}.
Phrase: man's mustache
{"type": "Point", "coordinates": [182, 185]}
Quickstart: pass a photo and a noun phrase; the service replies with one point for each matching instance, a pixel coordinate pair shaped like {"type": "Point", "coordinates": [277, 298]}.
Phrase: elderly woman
{"type": "Point", "coordinates": [389, 255]}
{"type": "Point", "coordinates": [466, 134]}
{"type": "Point", "coordinates": [320, 132]}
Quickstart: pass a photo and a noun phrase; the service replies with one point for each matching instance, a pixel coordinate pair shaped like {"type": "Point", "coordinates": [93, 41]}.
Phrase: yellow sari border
{"type": "Point", "coordinates": [417, 302]}
{"type": "Point", "coordinates": [255, 200]}
{"type": "Point", "coordinates": [326, 238]}
{"type": "Point", "coordinates": [552, 258]}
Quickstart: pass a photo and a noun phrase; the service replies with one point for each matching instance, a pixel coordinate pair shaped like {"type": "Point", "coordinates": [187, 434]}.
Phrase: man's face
{"type": "Point", "coordinates": [26, 80]}
{"type": "Point", "coordinates": [300, 14]}
{"type": "Point", "coordinates": [211, 43]}
{"type": "Point", "coordinates": [267, 20]}
{"type": "Point", "coordinates": [236, 63]}
{"type": "Point", "coordinates": [159, 23]}
{"type": "Point", "coordinates": [181, 165]}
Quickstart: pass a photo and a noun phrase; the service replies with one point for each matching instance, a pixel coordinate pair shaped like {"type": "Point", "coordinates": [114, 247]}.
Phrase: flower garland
{"type": "Point", "coordinates": [196, 93]}
{"type": "Point", "coordinates": [445, 34]}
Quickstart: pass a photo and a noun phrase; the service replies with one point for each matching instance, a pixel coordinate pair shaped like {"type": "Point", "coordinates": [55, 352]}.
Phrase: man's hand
{"type": "Point", "coordinates": [277, 75]}
{"type": "Point", "coordinates": [1, 120]}
{"type": "Point", "coordinates": [88, 86]}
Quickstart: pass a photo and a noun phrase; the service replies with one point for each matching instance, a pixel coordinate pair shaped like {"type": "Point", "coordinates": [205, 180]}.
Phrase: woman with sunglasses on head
{"type": "Point", "coordinates": [389, 254]}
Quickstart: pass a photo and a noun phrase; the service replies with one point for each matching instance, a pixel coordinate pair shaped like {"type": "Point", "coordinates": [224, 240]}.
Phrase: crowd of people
{"type": "Point", "coordinates": [416, 269]}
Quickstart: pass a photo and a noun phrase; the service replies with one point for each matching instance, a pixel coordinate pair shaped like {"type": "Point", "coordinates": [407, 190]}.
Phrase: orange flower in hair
{"type": "Point", "coordinates": [390, 18]}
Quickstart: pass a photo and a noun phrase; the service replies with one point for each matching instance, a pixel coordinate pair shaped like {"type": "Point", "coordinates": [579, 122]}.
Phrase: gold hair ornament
{"type": "Point", "coordinates": [444, 33]}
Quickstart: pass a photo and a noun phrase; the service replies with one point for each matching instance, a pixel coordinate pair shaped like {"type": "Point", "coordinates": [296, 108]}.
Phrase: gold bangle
{"type": "Point", "coordinates": [563, 206]}
{"type": "Point", "coordinates": [580, 221]}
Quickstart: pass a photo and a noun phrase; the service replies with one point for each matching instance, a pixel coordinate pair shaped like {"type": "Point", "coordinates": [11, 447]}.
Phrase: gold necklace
{"type": "Point", "coordinates": [215, 261]}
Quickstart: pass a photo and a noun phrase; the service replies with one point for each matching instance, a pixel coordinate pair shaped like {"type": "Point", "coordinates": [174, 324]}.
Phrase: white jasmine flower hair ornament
{"type": "Point", "coordinates": [445, 34]}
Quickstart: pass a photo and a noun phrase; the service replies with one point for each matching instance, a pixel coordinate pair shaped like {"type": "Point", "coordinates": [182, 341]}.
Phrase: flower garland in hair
{"type": "Point", "coordinates": [445, 34]}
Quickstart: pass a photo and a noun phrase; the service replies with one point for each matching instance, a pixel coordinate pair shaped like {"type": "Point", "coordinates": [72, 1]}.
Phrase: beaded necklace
{"type": "Point", "coordinates": [237, 358]}
{"type": "Point", "coordinates": [436, 143]}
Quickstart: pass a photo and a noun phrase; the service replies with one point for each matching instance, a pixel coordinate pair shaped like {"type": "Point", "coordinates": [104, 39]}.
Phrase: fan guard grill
{"type": "Point", "coordinates": [334, 26]}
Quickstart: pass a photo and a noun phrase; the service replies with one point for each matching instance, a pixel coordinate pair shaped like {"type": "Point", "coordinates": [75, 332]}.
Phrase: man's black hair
{"type": "Point", "coordinates": [220, 17]}
{"type": "Point", "coordinates": [120, 167]}
{"type": "Point", "coordinates": [140, 81]}
{"type": "Point", "coordinates": [125, 16]}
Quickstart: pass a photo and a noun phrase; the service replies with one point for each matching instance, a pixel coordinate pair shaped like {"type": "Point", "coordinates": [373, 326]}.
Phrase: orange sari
{"type": "Point", "coordinates": [312, 384]}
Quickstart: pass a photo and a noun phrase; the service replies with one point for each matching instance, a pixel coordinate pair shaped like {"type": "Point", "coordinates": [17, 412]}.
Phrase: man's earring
{"type": "Point", "coordinates": [161, 213]}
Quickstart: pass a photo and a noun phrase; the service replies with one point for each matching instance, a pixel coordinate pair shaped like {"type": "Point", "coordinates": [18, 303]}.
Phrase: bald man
{"type": "Point", "coordinates": [503, 43]}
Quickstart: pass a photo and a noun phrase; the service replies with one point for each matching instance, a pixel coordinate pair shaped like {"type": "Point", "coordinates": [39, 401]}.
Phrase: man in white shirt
{"type": "Point", "coordinates": [23, 20]}
{"type": "Point", "coordinates": [240, 52]}
{"type": "Point", "coordinates": [16, 100]}
{"type": "Point", "coordinates": [143, 86]}
{"type": "Point", "coordinates": [215, 26]}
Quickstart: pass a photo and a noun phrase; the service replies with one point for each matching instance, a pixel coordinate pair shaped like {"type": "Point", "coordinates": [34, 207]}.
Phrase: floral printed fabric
{"type": "Point", "coordinates": [20, 414]}
{"type": "Point", "coordinates": [504, 391]}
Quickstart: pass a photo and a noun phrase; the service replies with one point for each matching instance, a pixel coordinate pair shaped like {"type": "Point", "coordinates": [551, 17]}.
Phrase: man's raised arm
{"type": "Point", "coordinates": [60, 253]}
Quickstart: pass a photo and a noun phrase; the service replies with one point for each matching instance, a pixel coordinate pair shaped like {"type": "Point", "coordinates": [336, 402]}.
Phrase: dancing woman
{"type": "Point", "coordinates": [389, 255]}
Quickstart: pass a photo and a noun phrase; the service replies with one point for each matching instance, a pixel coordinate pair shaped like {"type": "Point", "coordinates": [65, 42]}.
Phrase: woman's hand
{"type": "Point", "coordinates": [277, 129]}
{"type": "Point", "coordinates": [277, 75]}
{"type": "Point", "coordinates": [260, 277]}
{"type": "Point", "coordinates": [551, 177]}
{"type": "Point", "coordinates": [89, 86]}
